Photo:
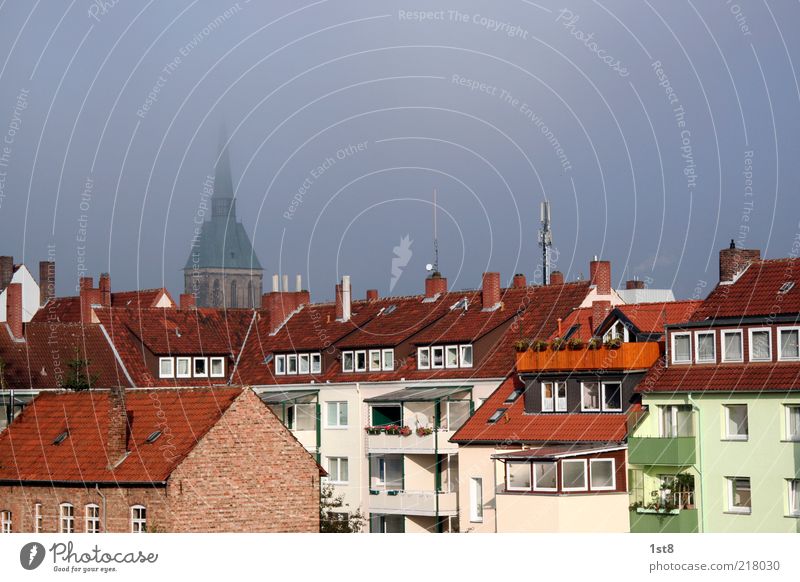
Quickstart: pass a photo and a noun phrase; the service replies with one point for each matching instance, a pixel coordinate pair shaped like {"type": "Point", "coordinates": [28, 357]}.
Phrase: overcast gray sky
{"type": "Point", "coordinates": [658, 130]}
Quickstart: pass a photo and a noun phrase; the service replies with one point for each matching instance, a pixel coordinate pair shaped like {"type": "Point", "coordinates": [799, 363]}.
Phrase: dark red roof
{"type": "Point", "coordinates": [650, 318]}
{"type": "Point", "coordinates": [758, 377]}
{"type": "Point", "coordinates": [141, 299]}
{"type": "Point", "coordinates": [27, 452]}
{"type": "Point", "coordinates": [68, 309]}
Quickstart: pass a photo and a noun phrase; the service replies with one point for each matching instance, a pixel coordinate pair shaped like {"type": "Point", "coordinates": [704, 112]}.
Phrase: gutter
{"type": "Point", "coordinates": [700, 462]}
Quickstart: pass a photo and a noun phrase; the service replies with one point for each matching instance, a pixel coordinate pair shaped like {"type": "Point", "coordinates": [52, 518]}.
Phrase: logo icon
{"type": "Point", "coordinates": [31, 555]}
{"type": "Point", "coordinates": [402, 256]}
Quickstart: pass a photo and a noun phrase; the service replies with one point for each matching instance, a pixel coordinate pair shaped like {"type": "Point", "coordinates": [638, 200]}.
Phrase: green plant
{"type": "Point", "coordinates": [539, 345]}
{"type": "Point", "coordinates": [405, 431]}
{"type": "Point", "coordinates": [424, 431]}
{"type": "Point", "coordinates": [331, 518]}
{"type": "Point", "coordinates": [613, 343]}
{"type": "Point", "coordinates": [522, 345]}
{"type": "Point", "coordinates": [78, 377]}
{"type": "Point", "coordinates": [594, 344]}
{"type": "Point", "coordinates": [575, 344]}
{"type": "Point", "coordinates": [557, 344]}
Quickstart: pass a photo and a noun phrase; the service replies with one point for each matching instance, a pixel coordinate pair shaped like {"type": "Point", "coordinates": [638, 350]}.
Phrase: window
{"type": "Point", "coordinates": [476, 499]}
{"type": "Point", "coordinates": [5, 521]}
{"type": "Point", "coordinates": [361, 361]}
{"type": "Point", "coordinates": [602, 474]}
{"type": "Point", "coordinates": [37, 518]}
{"type": "Point", "coordinates": [347, 361]}
{"type": "Point", "coordinates": [739, 495]}
{"type": "Point", "coordinates": [789, 348]}
{"type": "Point", "coordinates": [423, 358]}
{"type": "Point", "coordinates": [280, 365]}
{"type": "Point", "coordinates": [303, 363]}
{"type": "Point", "coordinates": [676, 421]}
{"type": "Point", "coordinates": [496, 415]}
{"type": "Point", "coordinates": [573, 475]}
{"type": "Point", "coordinates": [736, 422]}
{"type": "Point", "coordinates": [337, 414]}
{"type": "Point", "coordinates": [793, 422]}
{"type": "Point", "coordinates": [316, 363]}
{"type": "Point", "coordinates": [291, 364]}
{"type": "Point", "coordinates": [466, 356]}
{"type": "Point", "coordinates": [518, 476]}
{"type": "Point", "coordinates": [705, 347]}
{"type": "Point", "coordinates": [612, 396]}
{"type": "Point", "coordinates": [200, 369]}
{"type": "Point", "coordinates": [590, 396]}
{"type": "Point", "coordinates": [388, 359]}
{"type": "Point", "coordinates": [794, 496]}
{"type": "Point", "coordinates": [183, 367]}
{"type": "Point", "coordinates": [337, 470]}
{"type": "Point", "coordinates": [92, 518]}
{"type": "Point", "coordinates": [554, 396]}
{"type": "Point", "coordinates": [165, 368]}
{"type": "Point", "coordinates": [374, 360]}
{"type": "Point", "coordinates": [217, 367]}
{"type": "Point", "coordinates": [138, 519]}
{"type": "Point", "coordinates": [547, 397]}
{"type": "Point", "coordinates": [617, 331]}
{"type": "Point", "coordinates": [66, 518]}
{"type": "Point", "coordinates": [732, 346]}
{"type": "Point", "coordinates": [544, 477]}
{"type": "Point", "coordinates": [760, 345]}
{"type": "Point", "coordinates": [437, 357]}
{"type": "Point", "coordinates": [451, 357]}
{"type": "Point", "coordinates": [681, 348]}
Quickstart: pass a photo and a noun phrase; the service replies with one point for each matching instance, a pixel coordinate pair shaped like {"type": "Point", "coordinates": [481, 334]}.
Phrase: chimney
{"type": "Point", "coordinates": [372, 294]}
{"type": "Point", "coordinates": [14, 309]}
{"type": "Point", "coordinates": [733, 261]}
{"type": "Point", "coordinates": [6, 271]}
{"type": "Point", "coordinates": [556, 278]}
{"type": "Point", "coordinates": [491, 290]}
{"type": "Point", "coordinates": [187, 301]}
{"type": "Point", "coordinates": [286, 283]}
{"type": "Point", "coordinates": [600, 273]}
{"type": "Point", "coordinates": [275, 284]}
{"type": "Point", "coordinates": [634, 284]}
{"type": "Point", "coordinates": [47, 281]}
{"type": "Point", "coordinates": [105, 289]}
{"type": "Point", "coordinates": [86, 283]}
{"type": "Point", "coordinates": [520, 282]}
{"type": "Point", "coordinates": [346, 306]}
{"type": "Point", "coordinates": [301, 298]}
{"type": "Point", "coordinates": [88, 296]}
{"type": "Point", "coordinates": [435, 285]}
{"type": "Point", "coordinates": [339, 308]}
{"type": "Point", "coordinates": [600, 310]}
{"type": "Point", "coordinates": [298, 283]}
{"type": "Point", "coordinates": [118, 427]}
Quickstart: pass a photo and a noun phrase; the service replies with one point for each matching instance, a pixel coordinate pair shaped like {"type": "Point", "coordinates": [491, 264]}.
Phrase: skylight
{"type": "Point", "coordinates": [153, 436]}
{"type": "Point", "coordinates": [462, 303]}
{"type": "Point", "coordinates": [60, 438]}
{"type": "Point", "coordinates": [389, 309]}
{"type": "Point", "coordinates": [786, 287]}
{"type": "Point", "coordinates": [513, 396]}
{"type": "Point", "coordinates": [268, 358]}
{"type": "Point", "coordinates": [496, 415]}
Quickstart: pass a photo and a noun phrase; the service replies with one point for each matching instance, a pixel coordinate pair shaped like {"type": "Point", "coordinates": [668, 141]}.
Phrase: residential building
{"type": "Point", "coordinates": [33, 296]}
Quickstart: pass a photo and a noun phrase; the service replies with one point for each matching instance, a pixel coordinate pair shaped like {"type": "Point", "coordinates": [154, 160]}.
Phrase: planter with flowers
{"type": "Point", "coordinates": [423, 431]}
{"type": "Point", "coordinates": [405, 431]}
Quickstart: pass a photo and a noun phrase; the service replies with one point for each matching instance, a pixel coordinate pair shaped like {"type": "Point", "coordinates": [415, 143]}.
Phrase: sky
{"type": "Point", "coordinates": [658, 131]}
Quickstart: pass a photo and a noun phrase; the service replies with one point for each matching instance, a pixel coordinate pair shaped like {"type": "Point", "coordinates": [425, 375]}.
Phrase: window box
{"type": "Point", "coordinates": [424, 431]}
{"type": "Point", "coordinates": [393, 492]}
{"type": "Point", "coordinates": [374, 430]}
{"type": "Point", "coordinates": [405, 431]}
{"type": "Point", "coordinates": [374, 492]}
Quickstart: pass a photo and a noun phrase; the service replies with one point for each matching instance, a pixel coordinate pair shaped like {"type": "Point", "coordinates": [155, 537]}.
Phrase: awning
{"type": "Point", "coordinates": [557, 452]}
{"type": "Point", "coordinates": [420, 394]}
{"type": "Point", "coordinates": [288, 396]}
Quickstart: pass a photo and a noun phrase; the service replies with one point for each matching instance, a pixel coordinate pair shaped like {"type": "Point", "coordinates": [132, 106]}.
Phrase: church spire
{"type": "Point", "coordinates": [223, 200]}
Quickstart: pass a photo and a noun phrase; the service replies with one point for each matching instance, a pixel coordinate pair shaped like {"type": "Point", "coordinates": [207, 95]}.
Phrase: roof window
{"type": "Point", "coordinates": [786, 287]}
{"type": "Point", "coordinates": [496, 415]}
{"type": "Point", "coordinates": [61, 438]}
{"type": "Point", "coordinates": [153, 437]}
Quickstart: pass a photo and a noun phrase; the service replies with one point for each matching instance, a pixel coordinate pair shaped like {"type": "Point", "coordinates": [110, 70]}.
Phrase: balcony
{"type": "Point", "coordinates": [412, 502]}
{"type": "Point", "coordinates": [677, 521]}
{"type": "Point", "coordinates": [672, 451]}
{"type": "Point", "coordinates": [410, 445]}
{"type": "Point", "coordinates": [628, 356]}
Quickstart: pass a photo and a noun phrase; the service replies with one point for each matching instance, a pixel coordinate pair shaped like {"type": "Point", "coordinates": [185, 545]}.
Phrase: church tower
{"type": "Point", "coordinates": [222, 269]}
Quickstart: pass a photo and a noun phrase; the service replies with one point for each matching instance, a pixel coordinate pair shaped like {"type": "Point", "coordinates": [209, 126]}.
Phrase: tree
{"type": "Point", "coordinates": [331, 518]}
{"type": "Point", "coordinates": [78, 378]}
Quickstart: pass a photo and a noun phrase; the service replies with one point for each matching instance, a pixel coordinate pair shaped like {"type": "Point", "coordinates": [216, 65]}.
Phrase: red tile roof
{"type": "Point", "coordinates": [27, 452]}
{"type": "Point", "coordinates": [650, 318]}
{"type": "Point", "coordinates": [68, 309]}
{"type": "Point", "coordinates": [759, 377]}
{"type": "Point", "coordinates": [141, 299]}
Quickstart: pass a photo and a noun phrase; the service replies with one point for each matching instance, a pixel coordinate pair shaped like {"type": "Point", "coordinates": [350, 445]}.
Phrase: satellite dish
{"type": "Point", "coordinates": [429, 267]}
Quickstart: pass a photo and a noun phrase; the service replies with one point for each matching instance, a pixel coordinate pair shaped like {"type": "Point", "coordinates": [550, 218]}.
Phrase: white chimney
{"type": "Point", "coordinates": [286, 283]}
{"type": "Point", "coordinates": [298, 283]}
{"type": "Point", "coordinates": [275, 284]}
{"type": "Point", "coordinates": [346, 298]}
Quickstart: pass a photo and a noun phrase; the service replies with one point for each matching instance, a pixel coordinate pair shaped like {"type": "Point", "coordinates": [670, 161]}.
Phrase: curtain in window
{"type": "Point", "coordinates": [760, 348]}
{"type": "Point", "coordinates": [789, 344]}
{"type": "Point", "coordinates": [732, 346]}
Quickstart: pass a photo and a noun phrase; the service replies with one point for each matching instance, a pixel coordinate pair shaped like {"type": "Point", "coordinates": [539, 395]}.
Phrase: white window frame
{"type": "Point", "coordinates": [211, 362]}
{"type": "Point", "coordinates": [362, 353]}
{"type": "Point", "coordinates": [603, 396]}
{"type": "Point", "coordinates": [280, 365]}
{"type": "Point", "coordinates": [420, 352]}
{"type": "Point", "coordinates": [338, 404]}
{"type": "Point", "coordinates": [787, 423]}
{"type": "Point", "coordinates": [188, 362]}
{"type": "Point", "coordinates": [196, 374]}
{"type": "Point", "coordinates": [345, 355]}
{"type": "Point", "coordinates": [673, 337]}
{"type": "Point", "coordinates": [536, 486]}
{"type": "Point", "coordinates": [726, 415]}
{"type": "Point", "coordinates": [291, 359]}
{"type": "Point", "coordinates": [138, 524]}
{"type": "Point", "coordinates": [697, 334]}
{"type": "Point", "coordinates": [781, 358]}
{"type": "Point", "coordinates": [463, 361]}
{"type": "Point", "coordinates": [556, 398]}
{"type": "Point", "coordinates": [727, 332]}
{"type": "Point", "coordinates": [585, 475]}
{"type": "Point", "coordinates": [66, 518]}
{"type": "Point", "coordinates": [750, 333]}
{"type": "Point", "coordinates": [731, 507]}
{"type": "Point", "coordinates": [38, 518]}
{"type": "Point", "coordinates": [599, 398]}
{"type": "Point", "coordinates": [451, 350]}
{"type": "Point", "coordinates": [91, 523]}
{"type": "Point", "coordinates": [476, 499]}
{"type": "Point", "coordinates": [316, 363]}
{"type": "Point", "coordinates": [171, 373]}
{"type": "Point", "coordinates": [793, 486]}
{"type": "Point", "coordinates": [6, 521]}
{"type": "Point", "coordinates": [387, 359]}
{"type": "Point", "coordinates": [374, 360]}
{"type": "Point", "coordinates": [303, 364]}
{"type": "Point", "coordinates": [613, 462]}
{"type": "Point", "coordinates": [508, 476]}
{"type": "Point", "coordinates": [435, 349]}
{"type": "Point", "coordinates": [548, 400]}
{"type": "Point", "coordinates": [338, 472]}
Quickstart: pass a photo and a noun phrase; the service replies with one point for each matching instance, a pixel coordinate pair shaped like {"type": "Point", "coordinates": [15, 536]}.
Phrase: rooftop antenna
{"type": "Point", "coordinates": [545, 236]}
{"type": "Point", "coordinates": [434, 268]}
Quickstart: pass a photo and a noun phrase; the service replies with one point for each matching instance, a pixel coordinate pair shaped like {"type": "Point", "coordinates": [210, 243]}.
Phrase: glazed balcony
{"type": "Point", "coordinates": [412, 444]}
{"type": "Point", "coordinates": [671, 451]}
{"type": "Point", "coordinates": [412, 502]}
{"type": "Point", "coordinates": [676, 521]}
{"type": "Point", "coordinates": [628, 356]}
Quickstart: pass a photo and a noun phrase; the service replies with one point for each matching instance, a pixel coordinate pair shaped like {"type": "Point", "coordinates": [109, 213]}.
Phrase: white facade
{"type": "Point", "coordinates": [30, 294]}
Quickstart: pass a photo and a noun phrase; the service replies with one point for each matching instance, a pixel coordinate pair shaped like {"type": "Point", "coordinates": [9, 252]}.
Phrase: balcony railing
{"type": "Point", "coordinates": [413, 502]}
{"type": "Point", "coordinates": [628, 356]}
{"type": "Point", "coordinates": [672, 451]}
{"type": "Point", "coordinates": [676, 521]}
{"type": "Point", "coordinates": [410, 444]}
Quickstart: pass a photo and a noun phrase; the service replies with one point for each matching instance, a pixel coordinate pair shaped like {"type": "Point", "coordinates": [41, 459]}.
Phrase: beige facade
{"type": "Point", "coordinates": [595, 513]}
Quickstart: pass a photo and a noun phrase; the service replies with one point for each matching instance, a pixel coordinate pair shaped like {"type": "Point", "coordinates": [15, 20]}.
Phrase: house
{"type": "Point", "coordinates": [164, 460]}
{"type": "Point", "coordinates": [33, 295]}
{"type": "Point", "coordinates": [718, 448]}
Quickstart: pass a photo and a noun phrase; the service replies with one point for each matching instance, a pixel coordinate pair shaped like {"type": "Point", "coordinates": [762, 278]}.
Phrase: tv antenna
{"type": "Point", "coordinates": [545, 236]}
{"type": "Point", "coordinates": [435, 266]}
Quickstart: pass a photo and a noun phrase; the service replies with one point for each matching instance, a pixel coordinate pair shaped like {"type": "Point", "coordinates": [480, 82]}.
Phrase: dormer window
{"type": "Point", "coordinates": [466, 356]}
{"type": "Point", "coordinates": [451, 357]}
{"type": "Point", "coordinates": [732, 345]}
{"type": "Point", "coordinates": [292, 364]}
{"type": "Point", "coordinates": [437, 357]}
{"type": "Point", "coordinates": [554, 396]}
{"type": "Point", "coordinates": [681, 348]}
{"type": "Point", "coordinates": [280, 365]}
{"type": "Point", "coordinates": [761, 345]}
{"type": "Point", "coordinates": [361, 361]}
{"type": "Point", "coordinates": [165, 368]}
{"type": "Point", "coordinates": [217, 367]}
{"type": "Point", "coordinates": [617, 331]}
{"type": "Point", "coordinates": [347, 361]}
{"type": "Point", "coordinates": [789, 343]}
{"type": "Point", "coordinates": [183, 368]}
{"type": "Point", "coordinates": [423, 358]}
{"type": "Point", "coordinates": [304, 363]}
{"type": "Point", "coordinates": [374, 360]}
{"type": "Point", "coordinates": [316, 363]}
{"type": "Point", "coordinates": [200, 367]}
{"type": "Point", "coordinates": [706, 347]}
{"type": "Point", "coordinates": [454, 356]}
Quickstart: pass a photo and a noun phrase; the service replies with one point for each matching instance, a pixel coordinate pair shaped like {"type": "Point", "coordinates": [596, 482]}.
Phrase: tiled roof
{"type": "Point", "coordinates": [517, 427]}
{"type": "Point", "coordinates": [650, 318]}
{"type": "Point", "coordinates": [139, 299]}
{"type": "Point", "coordinates": [757, 292]}
{"type": "Point", "coordinates": [68, 309]}
{"type": "Point", "coordinates": [27, 452]}
{"type": "Point", "coordinates": [760, 377]}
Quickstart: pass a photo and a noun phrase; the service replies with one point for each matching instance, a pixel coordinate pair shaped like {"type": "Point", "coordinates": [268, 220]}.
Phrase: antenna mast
{"type": "Point", "coordinates": [545, 237]}
{"type": "Point", "coordinates": [435, 236]}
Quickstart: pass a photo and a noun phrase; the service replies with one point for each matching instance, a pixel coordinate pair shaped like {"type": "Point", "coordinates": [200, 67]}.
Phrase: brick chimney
{"type": "Point", "coordinates": [6, 271]}
{"type": "Point", "coordinates": [435, 285]}
{"type": "Point", "coordinates": [47, 281]}
{"type": "Point", "coordinates": [372, 294]}
{"type": "Point", "coordinates": [600, 274]}
{"type": "Point", "coordinates": [118, 427]}
{"type": "Point", "coordinates": [520, 282]}
{"type": "Point", "coordinates": [556, 278]}
{"type": "Point", "coordinates": [187, 301]}
{"type": "Point", "coordinates": [339, 307]}
{"type": "Point", "coordinates": [600, 310]}
{"type": "Point", "coordinates": [14, 309]}
{"type": "Point", "coordinates": [88, 296]}
{"type": "Point", "coordinates": [634, 284]}
{"type": "Point", "coordinates": [733, 261]}
{"type": "Point", "coordinates": [105, 289]}
{"type": "Point", "coordinates": [491, 290]}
